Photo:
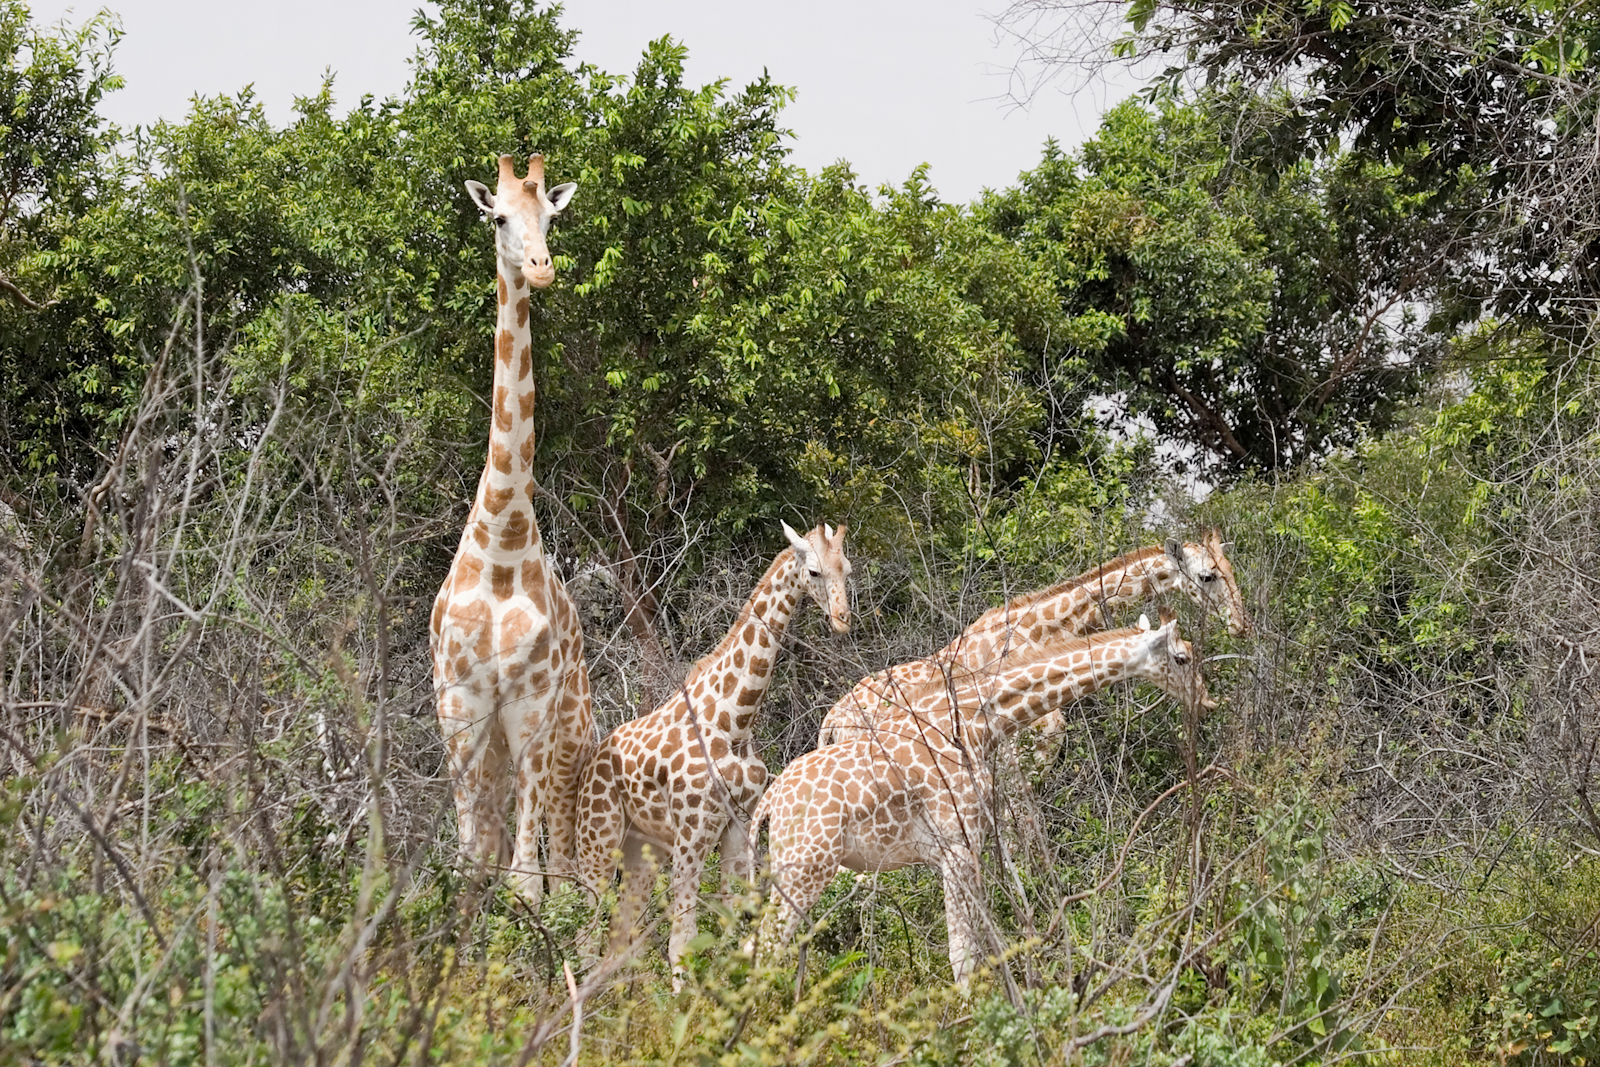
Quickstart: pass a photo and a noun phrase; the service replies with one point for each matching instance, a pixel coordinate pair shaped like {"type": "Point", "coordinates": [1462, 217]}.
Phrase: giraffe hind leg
{"type": "Point", "coordinates": [688, 865]}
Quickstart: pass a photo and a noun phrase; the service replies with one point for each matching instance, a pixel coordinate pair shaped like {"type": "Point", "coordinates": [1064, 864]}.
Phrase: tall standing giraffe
{"type": "Point", "coordinates": [919, 789]}
{"type": "Point", "coordinates": [683, 778]}
{"type": "Point", "coordinates": [1075, 606]}
{"type": "Point", "coordinates": [508, 665]}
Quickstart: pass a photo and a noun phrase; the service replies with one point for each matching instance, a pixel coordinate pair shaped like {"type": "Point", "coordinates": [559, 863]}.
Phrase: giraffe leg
{"type": "Point", "coordinates": [639, 866]}
{"type": "Point", "coordinates": [602, 836]}
{"type": "Point", "coordinates": [688, 865]}
{"type": "Point", "coordinates": [476, 750]}
{"type": "Point", "coordinates": [533, 739]}
{"type": "Point", "coordinates": [963, 902]}
{"type": "Point", "coordinates": [527, 870]}
{"type": "Point", "coordinates": [738, 860]}
{"type": "Point", "coordinates": [575, 746]}
{"type": "Point", "coordinates": [798, 878]}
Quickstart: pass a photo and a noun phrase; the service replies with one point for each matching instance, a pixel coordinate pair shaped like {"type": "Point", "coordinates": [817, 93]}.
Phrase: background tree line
{"type": "Point", "coordinates": [243, 370]}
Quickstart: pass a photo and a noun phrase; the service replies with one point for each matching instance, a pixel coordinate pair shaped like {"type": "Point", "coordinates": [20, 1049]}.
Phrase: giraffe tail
{"type": "Point", "coordinates": [758, 874]}
{"type": "Point", "coordinates": [753, 837]}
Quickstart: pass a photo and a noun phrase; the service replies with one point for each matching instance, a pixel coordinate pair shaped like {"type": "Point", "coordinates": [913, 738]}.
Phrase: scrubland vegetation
{"type": "Point", "coordinates": [1343, 278]}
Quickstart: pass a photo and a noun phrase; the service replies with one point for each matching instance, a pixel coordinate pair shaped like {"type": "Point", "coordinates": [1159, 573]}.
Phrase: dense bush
{"type": "Point", "coordinates": [242, 418]}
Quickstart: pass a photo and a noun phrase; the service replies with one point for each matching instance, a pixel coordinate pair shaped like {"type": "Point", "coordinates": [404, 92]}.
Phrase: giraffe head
{"type": "Point", "coordinates": [1206, 575]}
{"type": "Point", "coordinates": [521, 211]}
{"type": "Point", "coordinates": [1170, 662]}
{"type": "Point", "coordinates": [820, 556]}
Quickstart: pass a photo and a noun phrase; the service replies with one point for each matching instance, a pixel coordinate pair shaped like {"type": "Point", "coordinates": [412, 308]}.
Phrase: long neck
{"type": "Point", "coordinates": [1135, 579]}
{"type": "Point", "coordinates": [1073, 607]}
{"type": "Point", "coordinates": [504, 505]}
{"type": "Point", "coordinates": [739, 669]}
{"type": "Point", "coordinates": [1020, 693]}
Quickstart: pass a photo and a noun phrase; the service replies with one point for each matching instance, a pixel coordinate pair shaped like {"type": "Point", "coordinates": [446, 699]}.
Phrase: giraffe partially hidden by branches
{"type": "Point", "coordinates": [918, 789]}
{"type": "Point", "coordinates": [1076, 606]}
{"type": "Point", "coordinates": [508, 665]}
{"type": "Point", "coordinates": [682, 779]}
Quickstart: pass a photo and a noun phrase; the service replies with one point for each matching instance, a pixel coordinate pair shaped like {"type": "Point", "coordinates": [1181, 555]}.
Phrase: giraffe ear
{"type": "Point", "coordinates": [802, 547]}
{"type": "Point", "coordinates": [481, 196]}
{"type": "Point", "coordinates": [1162, 636]}
{"type": "Point", "coordinates": [1144, 622]}
{"type": "Point", "coordinates": [561, 196]}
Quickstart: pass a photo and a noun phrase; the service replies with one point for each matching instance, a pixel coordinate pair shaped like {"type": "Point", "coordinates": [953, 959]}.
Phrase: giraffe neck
{"type": "Point", "coordinates": [1124, 581]}
{"type": "Point", "coordinates": [503, 509]}
{"type": "Point", "coordinates": [1022, 692]}
{"type": "Point", "coordinates": [1074, 606]}
{"type": "Point", "coordinates": [739, 670]}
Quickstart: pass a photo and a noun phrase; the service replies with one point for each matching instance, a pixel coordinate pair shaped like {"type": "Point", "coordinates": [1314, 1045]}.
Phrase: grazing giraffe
{"type": "Point", "coordinates": [1076, 606]}
{"type": "Point", "coordinates": [683, 778]}
{"type": "Point", "coordinates": [918, 790]}
{"type": "Point", "coordinates": [508, 666]}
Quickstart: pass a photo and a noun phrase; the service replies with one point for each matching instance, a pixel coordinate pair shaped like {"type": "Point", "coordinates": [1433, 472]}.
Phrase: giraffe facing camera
{"type": "Point", "coordinates": [508, 668]}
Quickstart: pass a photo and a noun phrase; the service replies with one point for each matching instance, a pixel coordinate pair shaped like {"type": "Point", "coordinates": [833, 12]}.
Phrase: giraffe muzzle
{"type": "Point", "coordinates": [539, 271]}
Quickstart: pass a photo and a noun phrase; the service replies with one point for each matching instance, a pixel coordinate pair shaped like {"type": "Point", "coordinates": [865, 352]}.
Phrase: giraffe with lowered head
{"type": "Point", "coordinates": [1078, 606]}
{"type": "Point", "coordinates": [683, 779]}
{"type": "Point", "coordinates": [508, 669]}
{"type": "Point", "coordinates": [918, 789]}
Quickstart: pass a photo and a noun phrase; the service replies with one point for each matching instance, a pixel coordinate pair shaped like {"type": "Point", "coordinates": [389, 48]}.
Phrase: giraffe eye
{"type": "Point", "coordinates": [1180, 659]}
{"type": "Point", "coordinates": [1208, 577]}
{"type": "Point", "coordinates": [815, 573]}
{"type": "Point", "coordinates": [499, 220]}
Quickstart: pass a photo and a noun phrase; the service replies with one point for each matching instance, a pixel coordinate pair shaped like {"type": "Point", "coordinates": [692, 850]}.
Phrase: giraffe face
{"type": "Point", "coordinates": [1170, 662]}
{"type": "Point", "coordinates": [825, 570]}
{"type": "Point", "coordinates": [1206, 574]}
{"type": "Point", "coordinates": [521, 210]}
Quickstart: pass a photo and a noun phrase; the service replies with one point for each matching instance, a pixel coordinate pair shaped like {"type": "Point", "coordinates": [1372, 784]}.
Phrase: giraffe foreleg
{"type": "Point", "coordinates": [532, 754]}
{"type": "Point", "coordinates": [963, 901]}
{"type": "Point", "coordinates": [639, 866]}
{"type": "Point", "coordinates": [603, 836]}
{"type": "Point", "coordinates": [477, 755]}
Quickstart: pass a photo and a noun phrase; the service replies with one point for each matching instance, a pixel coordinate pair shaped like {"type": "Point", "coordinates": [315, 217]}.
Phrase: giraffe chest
{"type": "Point", "coordinates": [502, 626]}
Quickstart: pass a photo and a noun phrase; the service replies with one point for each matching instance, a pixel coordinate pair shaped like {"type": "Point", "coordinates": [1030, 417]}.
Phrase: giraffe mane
{"type": "Point", "coordinates": [1023, 601]}
{"type": "Point", "coordinates": [734, 631]}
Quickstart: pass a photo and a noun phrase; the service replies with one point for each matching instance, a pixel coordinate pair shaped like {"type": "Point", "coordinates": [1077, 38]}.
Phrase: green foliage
{"type": "Point", "coordinates": [1493, 105]}
{"type": "Point", "coordinates": [1235, 314]}
{"type": "Point", "coordinates": [54, 162]}
{"type": "Point", "coordinates": [1286, 930]}
{"type": "Point", "coordinates": [731, 340]}
{"type": "Point", "coordinates": [1546, 1005]}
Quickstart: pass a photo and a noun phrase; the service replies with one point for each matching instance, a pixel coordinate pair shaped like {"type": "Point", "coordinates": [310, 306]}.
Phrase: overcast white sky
{"type": "Point", "coordinates": [883, 84]}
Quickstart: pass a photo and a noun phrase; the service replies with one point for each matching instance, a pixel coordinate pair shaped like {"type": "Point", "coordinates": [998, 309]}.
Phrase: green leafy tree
{"type": "Point", "coordinates": [732, 338]}
{"type": "Point", "coordinates": [52, 166]}
{"type": "Point", "coordinates": [1263, 323]}
{"type": "Point", "coordinates": [1489, 107]}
